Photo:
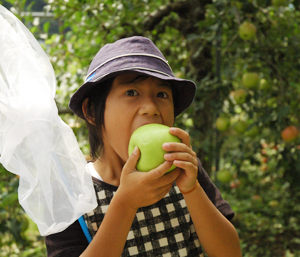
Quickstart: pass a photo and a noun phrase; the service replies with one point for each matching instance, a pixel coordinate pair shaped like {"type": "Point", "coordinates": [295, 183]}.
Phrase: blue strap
{"type": "Point", "coordinates": [85, 229]}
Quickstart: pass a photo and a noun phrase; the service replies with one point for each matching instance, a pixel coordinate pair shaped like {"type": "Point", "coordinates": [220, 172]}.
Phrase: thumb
{"type": "Point", "coordinates": [132, 161]}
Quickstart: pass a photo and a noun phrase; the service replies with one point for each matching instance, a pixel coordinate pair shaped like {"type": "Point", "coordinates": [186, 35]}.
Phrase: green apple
{"type": "Point", "coordinates": [240, 96]}
{"type": "Point", "coordinates": [224, 176]}
{"type": "Point", "coordinates": [149, 139]}
{"type": "Point", "coordinates": [10, 200]}
{"type": "Point", "coordinates": [240, 126]}
{"type": "Point", "coordinates": [266, 132]}
{"type": "Point", "coordinates": [272, 102]}
{"type": "Point", "coordinates": [264, 85]}
{"type": "Point", "coordinates": [24, 223]}
{"type": "Point", "coordinates": [247, 30]}
{"type": "Point", "coordinates": [189, 122]}
{"type": "Point", "coordinates": [222, 123]}
{"type": "Point", "coordinates": [273, 203]}
{"type": "Point", "coordinates": [250, 80]}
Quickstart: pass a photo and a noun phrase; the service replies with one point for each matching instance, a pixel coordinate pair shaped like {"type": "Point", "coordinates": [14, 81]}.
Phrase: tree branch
{"type": "Point", "coordinates": [157, 16]}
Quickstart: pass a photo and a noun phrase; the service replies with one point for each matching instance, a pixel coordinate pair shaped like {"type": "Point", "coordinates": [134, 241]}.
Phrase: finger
{"type": "Point", "coordinates": [187, 166]}
{"type": "Point", "coordinates": [159, 193]}
{"type": "Point", "coordinates": [181, 156]}
{"type": "Point", "coordinates": [159, 171]}
{"type": "Point", "coordinates": [178, 147]}
{"type": "Point", "coordinates": [164, 190]}
{"type": "Point", "coordinates": [168, 178]}
{"type": "Point", "coordinates": [182, 135]}
{"type": "Point", "coordinates": [132, 161]}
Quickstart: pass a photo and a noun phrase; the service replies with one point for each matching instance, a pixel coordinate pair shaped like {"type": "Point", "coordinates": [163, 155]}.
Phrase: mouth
{"type": "Point", "coordinates": [147, 123]}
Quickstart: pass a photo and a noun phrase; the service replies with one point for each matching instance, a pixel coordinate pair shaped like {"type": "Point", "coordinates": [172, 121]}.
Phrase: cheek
{"type": "Point", "coordinates": [168, 117]}
{"type": "Point", "coordinates": [117, 132]}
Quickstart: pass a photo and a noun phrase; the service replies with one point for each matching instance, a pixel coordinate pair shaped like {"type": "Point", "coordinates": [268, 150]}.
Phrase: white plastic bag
{"type": "Point", "coordinates": [35, 143]}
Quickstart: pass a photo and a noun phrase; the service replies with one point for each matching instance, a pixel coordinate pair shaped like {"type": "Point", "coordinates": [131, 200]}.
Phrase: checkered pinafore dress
{"type": "Point", "coordinates": [161, 229]}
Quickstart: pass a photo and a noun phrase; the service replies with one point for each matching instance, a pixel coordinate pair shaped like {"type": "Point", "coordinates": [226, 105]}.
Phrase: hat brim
{"type": "Point", "coordinates": [183, 90]}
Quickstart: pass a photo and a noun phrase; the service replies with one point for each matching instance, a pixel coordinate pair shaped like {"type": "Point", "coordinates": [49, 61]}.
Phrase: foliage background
{"type": "Point", "coordinates": [200, 39]}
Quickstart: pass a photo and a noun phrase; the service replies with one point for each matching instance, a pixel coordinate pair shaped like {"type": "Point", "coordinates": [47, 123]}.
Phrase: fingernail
{"type": "Point", "coordinates": [167, 156]}
{"type": "Point", "coordinates": [135, 150]}
{"type": "Point", "coordinates": [166, 145]}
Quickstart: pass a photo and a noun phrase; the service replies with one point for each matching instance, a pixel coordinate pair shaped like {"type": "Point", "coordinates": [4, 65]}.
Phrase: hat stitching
{"type": "Point", "coordinates": [132, 68]}
{"type": "Point", "coordinates": [126, 55]}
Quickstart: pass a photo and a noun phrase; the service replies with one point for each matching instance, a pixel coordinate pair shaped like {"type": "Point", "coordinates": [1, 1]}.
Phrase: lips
{"type": "Point", "coordinates": [143, 124]}
{"type": "Point", "coordinates": [146, 123]}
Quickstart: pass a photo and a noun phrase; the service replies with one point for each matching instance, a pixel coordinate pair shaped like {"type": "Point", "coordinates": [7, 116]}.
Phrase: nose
{"type": "Point", "coordinates": [149, 107]}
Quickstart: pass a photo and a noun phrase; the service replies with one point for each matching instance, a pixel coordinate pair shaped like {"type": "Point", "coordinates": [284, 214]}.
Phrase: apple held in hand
{"type": "Point", "coordinates": [149, 139]}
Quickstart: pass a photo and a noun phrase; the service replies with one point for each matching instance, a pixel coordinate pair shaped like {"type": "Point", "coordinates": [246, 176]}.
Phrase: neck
{"type": "Point", "coordinates": [109, 166]}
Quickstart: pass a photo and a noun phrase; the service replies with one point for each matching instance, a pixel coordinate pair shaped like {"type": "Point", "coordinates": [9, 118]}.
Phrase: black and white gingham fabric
{"type": "Point", "coordinates": [162, 229]}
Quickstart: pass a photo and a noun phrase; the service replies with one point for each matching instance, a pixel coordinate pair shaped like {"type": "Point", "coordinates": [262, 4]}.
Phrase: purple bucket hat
{"type": "Point", "coordinates": [133, 54]}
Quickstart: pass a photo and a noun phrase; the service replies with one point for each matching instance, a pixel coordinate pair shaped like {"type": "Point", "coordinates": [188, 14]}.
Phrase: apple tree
{"type": "Point", "coordinates": [261, 149]}
{"type": "Point", "coordinates": [243, 56]}
{"type": "Point", "coordinates": [244, 123]}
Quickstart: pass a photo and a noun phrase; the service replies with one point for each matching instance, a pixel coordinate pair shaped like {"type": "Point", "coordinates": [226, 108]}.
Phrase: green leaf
{"type": "Point", "coordinates": [46, 26]}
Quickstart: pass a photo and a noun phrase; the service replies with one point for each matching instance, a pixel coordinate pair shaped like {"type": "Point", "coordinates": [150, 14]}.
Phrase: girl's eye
{"type": "Point", "coordinates": [162, 95]}
{"type": "Point", "coordinates": [132, 92]}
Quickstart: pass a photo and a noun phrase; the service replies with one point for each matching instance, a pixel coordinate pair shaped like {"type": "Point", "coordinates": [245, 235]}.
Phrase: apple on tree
{"type": "Point", "coordinates": [224, 176]}
{"type": "Point", "coordinates": [290, 133]}
{"type": "Point", "coordinates": [247, 30]}
{"type": "Point", "coordinates": [250, 80]}
{"type": "Point", "coordinates": [149, 139]}
{"type": "Point", "coordinates": [264, 84]}
{"type": "Point", "coordinates": [189, 122]}
{"type": "Point", "coordinates": [235, 184]}
{"type": "Point", "coordinates": [257, 198]}
{"type": "Point", "coordinates": [273, 203]}
{"type": "Point", "coordinates": [240, 126]}
{"type": "Point", "coordinates": [240, 96]}
{"type": "Point", "coordinates": [24, 223]}
{"type": "Point", "coordinates": [222, 123]}
{"type": "Point", "coordinates": [272, 102]}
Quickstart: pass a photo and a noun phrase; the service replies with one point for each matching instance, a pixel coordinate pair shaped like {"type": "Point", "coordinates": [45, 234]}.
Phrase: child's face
{"type": "Point", "coordinates": [133, 101]}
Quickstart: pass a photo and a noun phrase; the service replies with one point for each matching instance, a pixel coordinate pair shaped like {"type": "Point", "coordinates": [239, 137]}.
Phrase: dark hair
{"type": "Point", "coordinates": [95, 110]}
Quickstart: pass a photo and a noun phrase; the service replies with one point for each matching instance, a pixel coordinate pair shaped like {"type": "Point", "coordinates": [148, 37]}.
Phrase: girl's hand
{"type": "Point", "coordinates": [183, 157]}
{"type": "Point", "coordinates": [138, 189]}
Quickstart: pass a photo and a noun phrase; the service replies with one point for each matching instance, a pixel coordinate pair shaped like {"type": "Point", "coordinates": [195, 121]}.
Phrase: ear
{"type": "Point", "coordinates": [90, 119]}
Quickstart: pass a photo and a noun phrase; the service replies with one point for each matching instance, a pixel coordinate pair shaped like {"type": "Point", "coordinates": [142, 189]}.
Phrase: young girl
{"type": "Point", "coordinates": [130, 84]}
